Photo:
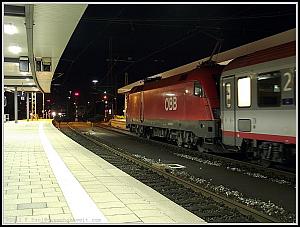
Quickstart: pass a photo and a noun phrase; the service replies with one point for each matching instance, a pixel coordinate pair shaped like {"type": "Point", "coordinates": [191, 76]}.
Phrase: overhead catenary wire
{"type": "Point", "coordinates": [89, 44]}
{"type": "Point", "coordinates": [183, 22]}
{"type": "Point", "coordinates": [190, 34]}
{"type": "Point", "coordinates": [127, 20]}
{"type": "Point", "coordinates": [218, 39]}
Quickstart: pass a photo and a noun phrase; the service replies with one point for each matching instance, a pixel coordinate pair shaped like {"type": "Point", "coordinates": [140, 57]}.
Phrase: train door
{"type": "Point", "coordinates": [228, 110]}
{"type": "Point", "coordinates": [142, 107]}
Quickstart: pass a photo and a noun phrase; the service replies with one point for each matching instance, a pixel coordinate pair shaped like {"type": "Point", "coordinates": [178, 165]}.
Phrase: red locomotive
{"type": "Point", "coordinates": [224, 109]}
{"type": "Point", "coordinates": [183, 108]}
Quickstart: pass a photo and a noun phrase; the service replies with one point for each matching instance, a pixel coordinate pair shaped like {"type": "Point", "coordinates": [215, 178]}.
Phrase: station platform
{"type": "Point", "coordinates": [49, 178]}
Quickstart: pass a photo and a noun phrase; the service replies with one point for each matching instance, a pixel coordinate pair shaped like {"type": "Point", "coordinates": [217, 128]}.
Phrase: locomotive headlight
{"type": "Point", "coordinates": [170, 94]}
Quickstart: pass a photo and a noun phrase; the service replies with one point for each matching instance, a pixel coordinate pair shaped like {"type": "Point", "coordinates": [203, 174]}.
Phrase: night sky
{"type": "Point", "coordinates": [148, 39]}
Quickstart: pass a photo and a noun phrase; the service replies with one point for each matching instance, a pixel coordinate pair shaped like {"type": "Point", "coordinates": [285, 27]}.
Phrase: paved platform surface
{"type": "Point", "coordinates": [49, 178]}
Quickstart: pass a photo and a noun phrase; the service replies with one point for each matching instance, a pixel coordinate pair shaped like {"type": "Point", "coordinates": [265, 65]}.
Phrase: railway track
{"type": "Point", "coordinates": [229, 163]}
{"type": "Point", "coordinates": [209, 206]}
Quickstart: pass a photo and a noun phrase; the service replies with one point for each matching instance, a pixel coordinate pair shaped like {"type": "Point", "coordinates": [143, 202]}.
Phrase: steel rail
{"type": "Point", "coordinates": [259, 216]}
{"type": "Point", "coordinates": [269, 171]}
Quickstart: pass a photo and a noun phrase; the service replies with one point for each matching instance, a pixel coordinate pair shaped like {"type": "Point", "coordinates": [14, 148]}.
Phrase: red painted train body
{"type": "Point", "coordinates": [188, 102]}
{"type": "Point", "coordinates": [248, 106]}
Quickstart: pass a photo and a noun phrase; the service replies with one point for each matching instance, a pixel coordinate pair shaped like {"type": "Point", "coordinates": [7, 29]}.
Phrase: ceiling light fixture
{"type": "Point", "coordinates": [14, 49]}
{"type": "Point", "coordinates": [10, 29]}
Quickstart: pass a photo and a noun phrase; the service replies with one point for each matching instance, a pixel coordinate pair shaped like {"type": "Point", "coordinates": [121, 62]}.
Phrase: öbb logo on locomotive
{"type": "Point", "coordinates": [171, 103]}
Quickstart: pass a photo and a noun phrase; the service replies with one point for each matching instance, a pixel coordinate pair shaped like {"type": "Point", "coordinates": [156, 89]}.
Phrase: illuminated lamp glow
{"type": "Point", "coordinates": [14, 49]}
{"type": "Point", "coordinates": [244, 92]}
{"type": "Point", "coordinates": [170, 94]}
{"type": "Point", "coordinates": [53, 114]}
{"type": "Point", "coordinates": [10, 29]}
{"type": "Point", "coordinates": [76, 93]}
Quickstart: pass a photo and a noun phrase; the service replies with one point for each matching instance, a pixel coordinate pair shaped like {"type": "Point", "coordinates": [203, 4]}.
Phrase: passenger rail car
{"type": "Point", "coordinates": [258, 103]}
{"type": "Point", "coordinates": [249, 106]}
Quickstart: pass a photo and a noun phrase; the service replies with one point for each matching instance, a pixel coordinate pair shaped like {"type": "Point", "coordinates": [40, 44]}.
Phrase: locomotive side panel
{"type": "Point", "coordinates": [133, 108]}
{"type": "Point", "coordinates": [177, 107]}
{"type": "Point", "coordinates": [176, 102]}
{"type": "Point", "coordinates": [186, 104]}
{"type": "Point", "coordinates": [167, 103]}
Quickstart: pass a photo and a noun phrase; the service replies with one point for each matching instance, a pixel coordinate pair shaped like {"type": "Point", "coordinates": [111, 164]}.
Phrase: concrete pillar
{"type": "Point", "coordinates": [16, 104]}
{"type": "Point", "coordinates": [27, 106]}
{"type": "Point", "coordinates": [34, 103]}
{"type": "Point", "coordinates": [43, 105]}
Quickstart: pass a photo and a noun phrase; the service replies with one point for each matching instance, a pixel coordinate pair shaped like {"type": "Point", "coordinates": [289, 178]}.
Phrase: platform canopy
{"type": "Point", "coordinates": [34, 38]}
{"type": "Point", "coordinates": [224, 57]}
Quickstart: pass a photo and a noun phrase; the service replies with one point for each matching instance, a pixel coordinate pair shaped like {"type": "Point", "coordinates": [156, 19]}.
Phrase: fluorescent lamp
{"type": "Point", "coordinates": [10, 29]}
{"type": "Point", "coordinates": [14, 49]}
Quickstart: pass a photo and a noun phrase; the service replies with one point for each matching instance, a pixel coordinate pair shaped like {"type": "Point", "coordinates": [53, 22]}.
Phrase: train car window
{"type": "Point", "coordinates": [228, 95]}
{"type": "Point", "coordinates": [244, 92]}
{"type": "Point", "coordinates": [269, 89]}
{"type": "Point", "coordinates": [288, 81]}
{"type": "Point", "coordinates": [295, 85]}
{"type": "Point", "coordinates": [198, 89]}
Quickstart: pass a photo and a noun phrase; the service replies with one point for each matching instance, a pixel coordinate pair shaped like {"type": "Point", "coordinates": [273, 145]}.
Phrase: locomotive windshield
{"type": "Point", "coordinates": [198, 89]}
